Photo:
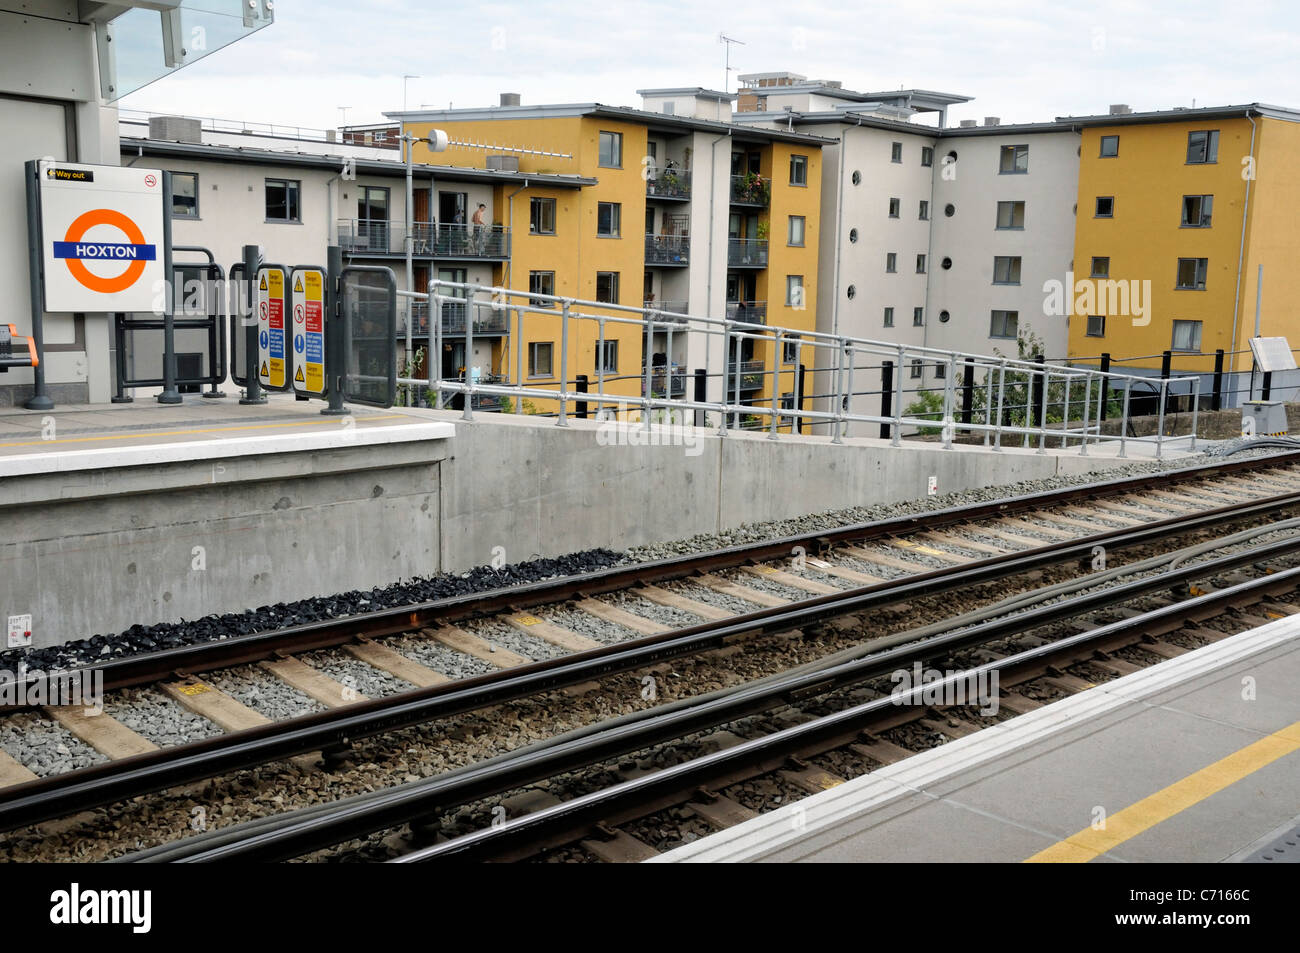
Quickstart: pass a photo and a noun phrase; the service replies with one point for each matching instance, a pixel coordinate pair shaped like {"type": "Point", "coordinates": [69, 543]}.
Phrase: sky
{"type": "Point", "coordinates": [1021, 61]}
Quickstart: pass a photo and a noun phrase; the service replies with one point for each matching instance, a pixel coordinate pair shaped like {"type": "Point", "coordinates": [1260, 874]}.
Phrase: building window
{"type": "Point", "coordinates": [796, 230]}
{"type": "Point", "coordinates": [927, 156]}
{"type": "Point", "coordinates": [891, 262]}
{"type": "Point", "coordinates": [540, 355]}
{"type": "Point", "coordinates": [1004, 324]}
{"type": "Point", "coordinates": [920, 264]}
{"type": "Point", "coordinates": [1096, 326]}
{"type": "Point", "coordinates": [1105, 206]}
{"type": "Point", "coordinates": [608, 219]}
{"type": "Point", "coordinates": [185, 195]}
{"type": "Point", "coordinates": [916, 369]}
{"type": "Point", "coordinates": [1014, 160]}
{"type": "Point", "coordinates": [856, 177]}
{"type": "Point", "coordinates": [611, 150]}
{"type": "Point", "coordinates": [1191, 273]}
{"type": "Point", "coordinates": [853, 236]}
{"type": "Point", "coordinates": [852, 292]}
{"type": "Point", "coordinates": [889, 317]}
{"type": "Point", "coordinates": [541, 216]}
{"type": "Point", "coordinates": [918, 317]}
{"type": "Point", "coordinates": [794, 291]}
{"type": "Point", "coordinates": [282, 200]}
{"type": "Point", "coordinates": [607, 357]}
{"type": "Point", "coordinates": [798, 170]}
{"type": "Point", "coordinates": [1100, 268]}
{"type": "Point", "coordinates": [542, 283]}
{"type": "Point", "coordinates": [924, 213]}
{"type": "Point", "coordinates": [1006, 270]}
{"type": "Point", "coordinates": [1196, 210]}
{"type": "Point", "coordinates": [1011, 215]}
{"type": "Point", "coordinates": [950, 210]}
{"type": "Point", "coordinates": [1203, 146]}
{"type": "Point", "coordinates": [607, 287]}
{"type": "Point", "coordinates": [1187, 336]}
{"type": "Point", "coordinates": [895, 205]}
{"type": "Point", "coordinates": [789, 354]}
{"type": "Point", "coordinates": [944, 317]}
{"type": "Point", "coordinates": [940, 371]}
{"type": "Point", "coordinates": [1109, 147]}
{"type": "Point", "coordinates": [896, 152]}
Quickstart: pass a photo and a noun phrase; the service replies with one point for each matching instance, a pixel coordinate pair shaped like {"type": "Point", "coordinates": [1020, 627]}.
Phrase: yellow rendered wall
{"type": "Point", "coordinates": [1144, 239]}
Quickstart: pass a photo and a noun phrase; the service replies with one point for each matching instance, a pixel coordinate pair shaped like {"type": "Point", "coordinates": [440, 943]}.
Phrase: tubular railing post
{"type": "Point", "coordinates": [519, 365]}
{"type": "Point", "coordinates": [1160, 426]}
{"type": "Point", "coordinates": [253, 383]}
{"type": "Point", "coordinates": [839, 392]}
{"type": "Point", "coordinates": [897, 436]}
{"type": "Point", "coordinates": [1002, 393]}
{"type": "Point", "coordinates": [968, 391]}
{"type": "Point", "coordinates": [1042, 409]}
{"type": "Point", "coordinates": [562, 420]}
{"type": "Point", "coordinates": [1065, 413]}
{"type": "Point", "coordinates": [1087, 406]}
{"type": "Point", "coordinates": [1033, 400]}
{"type": "Point", "coordinates": [645, 375]}
{"type": "Point", "coordinates": [886, 395]}
{"type": "Point", "coordinates": [701, 393]}
{"type": "Point", "coordinates": [988, 404]}
{"type": "Point", "coordinates": [726, 378]}
{"type": "Point", "coordinates": [1216, 398]}
{"type": "Point", "coordinates": [600, 364]}
{"type": "Point", "coordinates": [1105, 389]}
{"type": "Point", "coordinates": [776, 383]}
{"type": "Point", "coordinates": [468, 412]}
{"type": "Point", "coordinates": [946, 418]}
{"type": "Point", "coordinates": [847, 360]}
{"type": "Point", "coordinates": [580, 407]}
{"type": "Point", "coordinates": [1196, 407]}
{"type": "Point", "coordinates": [435, 345]}
{"type": "Point", "coordinates": [1166, 364]}
{"type": "Point", "coordinates": [1123, 424]}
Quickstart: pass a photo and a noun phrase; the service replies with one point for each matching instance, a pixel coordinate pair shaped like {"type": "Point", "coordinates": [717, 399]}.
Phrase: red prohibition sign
{"type": "Point", "coordinates": [83, 224]}
{"type": "Point", "coordinates": [298, 314]}
{"type": "Point", "coordinates": [150, 180]}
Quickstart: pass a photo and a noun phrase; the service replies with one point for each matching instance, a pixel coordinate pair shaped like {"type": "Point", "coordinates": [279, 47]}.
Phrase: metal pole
{"type": "Point", "coordinates": [886, 395]}
{"type": "Point", "coordinates": [701, 393]}
{"type": "Point", "coordinates": [1123, 427]}
{"type": "Point", "coordinates": [467, 412]}
{"type": "Point", "coordinates": [1042, 410]}
{"type": "Point", "coordinates": [39, 400]}
{"type": "Point", "coordinates": [945, 423]}
{"type": "Point", "coordinates": [1065, 413]}
{"type": "Point", "coordinates": [968, 390]}
{"type": "Point", "coordinates": [562, 420]}
{"type": "Point", "coordinates": [646, 384]}
{"type": "Point", "coordinates": [988, 404]}
{"type": "Point", "coordinates": [1160, 427]}
{"type": "Point", "coordinates": [1105, 369]}
{"type": "Point", "coordinates": [897, 437]}
{"type": "Point", "coordinates": [1216, 397]}
{"type": "Point", "coordinates": [252, 383]}
{"type": "Point", "coordinates": [1087, 400]}
{"type": "Point", "coordinates": [847, 361]}
{"type": "Point", "coordinates": [1002, 393]}
{"type": "Point", "coordinates": [410, 254]}
{"type": "Point", "coordinates": [335, 344]}
{"type": "Point", "coordinates": [776, 384]}
{"type": "Point", "coordinates": [1196, 407]}
{"type": "Point", "coordinates": [170, 394]}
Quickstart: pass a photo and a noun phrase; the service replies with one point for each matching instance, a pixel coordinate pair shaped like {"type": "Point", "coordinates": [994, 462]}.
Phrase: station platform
{"type": "Point", "coordinates": [1195, 759]}
{"type": "Point", "coordinates": [117, 435]}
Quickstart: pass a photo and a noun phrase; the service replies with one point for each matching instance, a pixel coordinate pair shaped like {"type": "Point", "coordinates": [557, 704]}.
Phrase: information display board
{"type": "Point", "coordinates": [308, 296]}
{"type": "Point", "coordinates": [1272, 354]}
{"type": "Point", "coordinates": [272, 356]}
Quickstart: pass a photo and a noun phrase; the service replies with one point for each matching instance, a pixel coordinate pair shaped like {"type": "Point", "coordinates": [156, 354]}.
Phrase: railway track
{"type": "Point", "coordinates": [820, 575]}
{"type": "Point", "coordinates": [1034, 664]}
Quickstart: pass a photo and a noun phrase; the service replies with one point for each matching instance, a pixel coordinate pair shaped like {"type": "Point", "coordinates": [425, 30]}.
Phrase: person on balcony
{"type": "Point", "coordinates": [480, 228]}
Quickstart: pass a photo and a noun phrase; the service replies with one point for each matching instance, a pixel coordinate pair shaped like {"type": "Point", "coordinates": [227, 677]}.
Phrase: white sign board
{"type": "Point", "coordinates": [272, 361]}
{"type": "Point", "coordinates": [1273, 354]}
{"type": "Point", "coordinates": [102, 236]}
{"type": "Point", "coordinates": [309, 331]}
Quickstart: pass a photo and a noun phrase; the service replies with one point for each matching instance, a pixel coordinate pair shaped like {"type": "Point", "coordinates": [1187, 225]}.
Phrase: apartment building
{"type": "Point", "coordinates": [932, 235]}
{"type": "Point", "coordinates": [688, 213]}
{"type": "Point", "coordinates": [1178, 209]}
{"type": "Point", "coordinates": [296, 191]}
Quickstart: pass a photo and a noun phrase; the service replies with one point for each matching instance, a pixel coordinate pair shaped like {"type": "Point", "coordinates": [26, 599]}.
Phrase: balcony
{"type": "Point", "coordinates": [670, 311]}
{"type": "Point", "coordinates": [486, 322]}
{"type": "Point", "coordinates": [751, 375]}
{"type": "Point", "coordinates": [747, 253]}
{"type": "Point", "coordinates": [372, 238]}
{"type": "Point", "coordinates": [751, 189]}
{"type": "Point", "coordinates": [668, 250]}
{"type": "Point", "coordinates": [662, 378]}
{"type": "Point", "coordinates": [672, 185]}
{"type": "Point", "coordinates": [754, 312]}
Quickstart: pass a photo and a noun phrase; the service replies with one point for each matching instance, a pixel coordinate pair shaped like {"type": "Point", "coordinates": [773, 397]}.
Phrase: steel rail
{"type": "Point", "coordinates": [392, 807]}
{"type": "Point", "coordinates": [104, 783]}
{"type": "Point", "coordinates": [313, 636]}
{"type": "Point", "coordinates": [595, 807]}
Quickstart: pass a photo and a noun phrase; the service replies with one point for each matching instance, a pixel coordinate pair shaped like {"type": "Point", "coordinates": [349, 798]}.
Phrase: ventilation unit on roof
{"type": "Point", "coordinates": [509, 99]}
{"type": "Point", "coordinates": [1120, 109]}
{"type": "Point", "coordinates": [503, 163]}
{"type": "Point", "coordinates": [968, 124]}
{"type": "Point", "coordinates": [992, 120]}
{"type": "Point", "coordinates": [175, 129]}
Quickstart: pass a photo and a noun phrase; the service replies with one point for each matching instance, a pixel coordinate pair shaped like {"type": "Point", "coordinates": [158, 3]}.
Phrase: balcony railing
{"type": "Point", "coordinates": [667, 249]}
{"type": "Point", "coordinates": [364, 237]}
{"type": "Point", "coordinates": [747, 252]}
{"type": "Point", "coordinates": [453, 319]}
{"type": "Point", "coordinates": [753, 312]}
{"type": "Point", "coordinates": [671, 312]}
{"type": "Point", "coordinates": [751, 189]}
{"type": "Point", "coordinates": [668, 184]}
{"type": "Point", "coordinates": [661, 378]}
{"type": "Point", "coordinates": [751, 374]}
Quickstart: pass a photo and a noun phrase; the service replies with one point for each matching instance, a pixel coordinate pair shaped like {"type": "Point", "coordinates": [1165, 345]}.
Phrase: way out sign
{"type": "Point", "coordinates": [308, 331]}
{"type": "Point", "coordinates": [272, 359]}
{"type": "Point", "coordinates": [101, 236]}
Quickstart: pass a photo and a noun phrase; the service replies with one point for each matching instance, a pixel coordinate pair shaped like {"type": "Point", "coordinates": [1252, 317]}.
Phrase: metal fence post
{"type": "Point", "coordinates": [468, 375]}
{"type": "Point", "coordinates": [253, 384]}
{"type": "Point", "coordinates": [646, 391]}
{"type": "Point", "coordinates": [1216, 397]}
{"type": "Point", "coordinates": [1105, 389]}
{"type": "Point", "coordinates": [1002, 394]}
{"type": "Point", "coordinates": [1196, 407]}
{"type": "Point", "coordinates": [580, 407]}
{"type": "Point", "coordinates": [1087, 407]}
{"type": "Point", "coordinates": [897, 437]}
{"type": "Point", "coordinates": [946, 426]}
{"type": "Point", "coordinates": [40, 399]}
{"type": "Point", "coordinates": [1160, 427]}
{"type": "Point", "coordinates": [701, 393]}
{"type": "Point", "coordinates": [169, 395]}
{"type": "Point", "coordinates": [335, 342]}
{"type": "Point", "coordinates": [777, 356]}
{"type": "Point", "coordinates": [968, 391]}
{"type": "Point", "coordinates": [886, 394]}
{"type": "Point", "coordinates": [562, 420]}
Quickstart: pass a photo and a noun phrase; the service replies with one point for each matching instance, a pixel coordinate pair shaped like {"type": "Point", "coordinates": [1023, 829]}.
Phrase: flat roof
{"type": "Point", "coordinates": [847, 117]}
{"type": "Point", "coordinates": [390, 167]}
{"type": "Point", "coordinates": [625, 113]}
{"type": "Point", "coordinates": [699, 92]}
{"type": "Point", "coordinates": [1183, 115]}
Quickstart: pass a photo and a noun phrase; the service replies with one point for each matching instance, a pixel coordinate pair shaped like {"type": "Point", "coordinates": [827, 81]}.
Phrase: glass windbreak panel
{"type": "Point", "coordinates": [141, 45]}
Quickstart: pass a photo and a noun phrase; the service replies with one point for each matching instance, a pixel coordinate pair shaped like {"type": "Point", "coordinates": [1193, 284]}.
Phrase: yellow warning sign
{"type": "Point", "coordinates": [298, 377]}
{"type": "Point", "coordinates": [263, 371]}
{"type": "Point", "coordinates": [297, 284]}
{"type": "Point", "coordinates": [262, 287]}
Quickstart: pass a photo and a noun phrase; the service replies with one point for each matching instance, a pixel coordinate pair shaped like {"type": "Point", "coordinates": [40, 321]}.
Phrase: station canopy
{"type": "Point", "coordinates": [140, 42]}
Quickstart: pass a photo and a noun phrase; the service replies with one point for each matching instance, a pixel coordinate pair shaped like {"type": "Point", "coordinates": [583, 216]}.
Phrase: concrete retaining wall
{"type": "Point", "coordinates": [533, 488]}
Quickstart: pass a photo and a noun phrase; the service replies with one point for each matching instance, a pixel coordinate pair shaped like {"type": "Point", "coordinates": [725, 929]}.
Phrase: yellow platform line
{"type": "Point", "coordinates": [1177, 797]}
{"type": "Point", "coordinates": [184, 433]}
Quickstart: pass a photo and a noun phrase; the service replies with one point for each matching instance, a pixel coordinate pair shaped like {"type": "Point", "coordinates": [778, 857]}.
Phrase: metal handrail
{"type": "Point", "coordinates": [747, 251]}
{"type": "Point", "coordinates": [359, 236]}
{"type": "Point", "coordinates": [667, 249]}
